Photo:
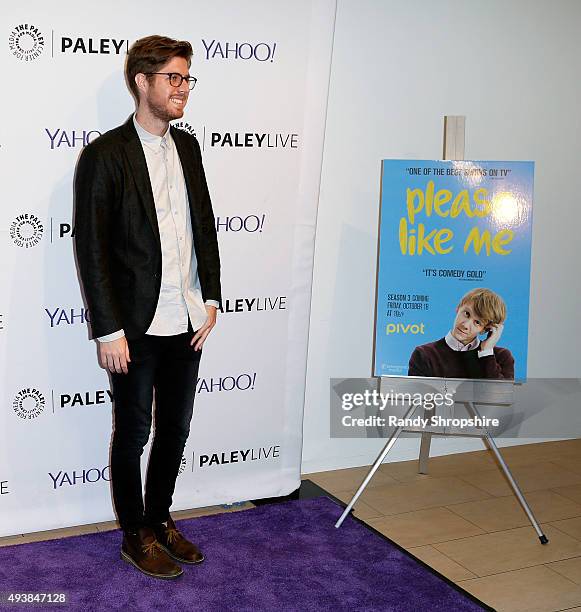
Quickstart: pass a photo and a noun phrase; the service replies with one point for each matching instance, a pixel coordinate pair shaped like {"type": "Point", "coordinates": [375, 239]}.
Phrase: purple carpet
{"type": "Point", "coordinates": [286, 556]}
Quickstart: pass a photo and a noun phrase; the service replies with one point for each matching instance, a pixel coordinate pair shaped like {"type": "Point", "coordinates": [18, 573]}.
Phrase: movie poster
{"type": "Point", "coordinates": [454, 269]}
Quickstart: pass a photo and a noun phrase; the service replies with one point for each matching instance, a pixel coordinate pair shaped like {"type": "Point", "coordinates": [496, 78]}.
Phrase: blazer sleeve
{"type": "Point", "coordinates": [95, 203]}
{"type": "Point", "coordinates": [208, 254]}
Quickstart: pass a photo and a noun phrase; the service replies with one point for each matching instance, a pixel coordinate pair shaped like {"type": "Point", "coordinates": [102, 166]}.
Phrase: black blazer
{"type": "Point", "coordinates": [117, 235]}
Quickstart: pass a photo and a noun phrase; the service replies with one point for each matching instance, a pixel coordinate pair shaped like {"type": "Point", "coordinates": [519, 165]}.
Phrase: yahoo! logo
{"type": "Point", "coordinates": [85, 476]}
{"type": "Point", "coordinates": [242, 382]}
{"type": "Point", "coordinates": [260, 52]}
{"type": "Point", "coordinates": [70, 138]}
{"type": "Point", "coordinates": [67, 316]}
{"type": "Point", "coordinates": [250, 223]}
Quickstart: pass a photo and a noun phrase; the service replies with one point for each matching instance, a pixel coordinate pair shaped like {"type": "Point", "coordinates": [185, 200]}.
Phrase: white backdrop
{"type": "Point", "coordinates": [258, 111]}
{"type": "Point", "coordinates": [398, 68]}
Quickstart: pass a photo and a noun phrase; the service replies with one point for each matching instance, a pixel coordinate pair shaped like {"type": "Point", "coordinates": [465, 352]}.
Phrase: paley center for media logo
{"type": "Point", "coordinates": [245, 455]}
{"type": "Point", "coordinates": [29, 403]}
{"type": "Point", "coordinates": [84, 398]}
{"type": "Point", "coordinates": [254, 140]}
{"type": "Point", "coordinates": [184, 126]}
{"type": "Point", "coordinates": [258, 140]}
{"type": "Point", "coordinates": [183, 464]}
{"type": "Point", "coordinates": [91, 45]}
{"type": "Point", "coordinates": [26, 230]}
{"type": "Point", "coordinates": [26, 42]}
{"type": "Point", "coordinates": [253, 304]}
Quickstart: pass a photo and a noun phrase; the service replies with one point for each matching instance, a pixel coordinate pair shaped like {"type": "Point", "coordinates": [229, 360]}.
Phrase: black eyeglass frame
{"type": "Point", "coordinates": [190, 79]}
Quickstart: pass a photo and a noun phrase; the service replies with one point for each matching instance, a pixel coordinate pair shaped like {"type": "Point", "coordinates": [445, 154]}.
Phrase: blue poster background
{"type": "Point", "coordinates": [418, 292]}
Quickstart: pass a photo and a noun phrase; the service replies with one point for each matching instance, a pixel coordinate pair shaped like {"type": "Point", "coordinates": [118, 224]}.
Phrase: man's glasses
{"type": "Point", "coordinates": [176, 79]}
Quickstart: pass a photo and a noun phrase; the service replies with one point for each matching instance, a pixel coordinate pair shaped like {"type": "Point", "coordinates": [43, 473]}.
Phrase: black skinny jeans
{"type": "Point", "coordinates": [167, 367]}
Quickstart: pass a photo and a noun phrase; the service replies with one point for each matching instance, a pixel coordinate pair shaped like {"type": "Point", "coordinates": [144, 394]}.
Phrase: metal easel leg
{"type": "Point", "coordinates": [521, 498]}
{"type": "Point", "coordinates": [394, 436]}
{"type": "Point", "coordinates": [425, 443]}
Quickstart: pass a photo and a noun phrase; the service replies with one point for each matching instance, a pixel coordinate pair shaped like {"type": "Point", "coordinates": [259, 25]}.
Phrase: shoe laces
{"type": "Point", "coordinates": [172, 535]}
{"type": "Point", "coordinates": [151, 548]}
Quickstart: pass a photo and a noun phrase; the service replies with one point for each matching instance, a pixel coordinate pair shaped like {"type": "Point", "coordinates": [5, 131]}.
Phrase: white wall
{"type": "Point", "coordinates": [398, 67]}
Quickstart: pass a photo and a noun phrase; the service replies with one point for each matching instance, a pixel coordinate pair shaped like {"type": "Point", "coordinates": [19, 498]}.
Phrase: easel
{"type": "Point", "coordinates": [466, 392]}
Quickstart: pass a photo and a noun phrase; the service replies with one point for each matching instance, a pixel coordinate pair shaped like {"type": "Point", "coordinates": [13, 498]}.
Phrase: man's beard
{"type": "Point", "coordinates": [161, 112]}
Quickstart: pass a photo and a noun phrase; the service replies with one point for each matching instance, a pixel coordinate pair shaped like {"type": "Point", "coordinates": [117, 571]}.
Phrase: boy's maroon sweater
{"type": "Point", "coordinates": [438, 359]}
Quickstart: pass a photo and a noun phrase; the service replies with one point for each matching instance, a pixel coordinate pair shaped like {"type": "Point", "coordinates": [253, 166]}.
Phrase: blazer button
{"type": "Point", "coordinates": [156, 275]}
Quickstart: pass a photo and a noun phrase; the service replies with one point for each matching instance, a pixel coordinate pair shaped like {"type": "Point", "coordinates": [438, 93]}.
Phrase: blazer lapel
{"type": "Point", "coordinates": [138, 165]}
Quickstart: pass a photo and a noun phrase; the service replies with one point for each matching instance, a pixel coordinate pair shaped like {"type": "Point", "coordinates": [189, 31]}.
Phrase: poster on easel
{"type": "Point", "coordinates": [454, 269]}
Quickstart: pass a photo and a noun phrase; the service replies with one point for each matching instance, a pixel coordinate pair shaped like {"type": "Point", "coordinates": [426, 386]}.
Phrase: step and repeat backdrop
{"type": "Point", "coordinates": [258, 111]}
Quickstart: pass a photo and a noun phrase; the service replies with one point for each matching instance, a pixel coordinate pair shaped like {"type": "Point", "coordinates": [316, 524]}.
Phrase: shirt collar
{"type": "Point", "coordinates": [153, 140]}
{"type": "Point", "coordinates": [456, 345]}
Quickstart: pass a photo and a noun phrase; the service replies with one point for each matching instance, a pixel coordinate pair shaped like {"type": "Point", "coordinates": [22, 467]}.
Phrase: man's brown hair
{"type": "Point", "coordinates": [488, 306]}
{"type": "Point", "coordinates": [149, 54]}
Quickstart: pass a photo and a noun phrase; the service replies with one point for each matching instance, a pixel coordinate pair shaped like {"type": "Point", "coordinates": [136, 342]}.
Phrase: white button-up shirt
{"type": "Point", "coordinates": [180, 294]}
{"type": "Point", "coordinates": [456, 345]}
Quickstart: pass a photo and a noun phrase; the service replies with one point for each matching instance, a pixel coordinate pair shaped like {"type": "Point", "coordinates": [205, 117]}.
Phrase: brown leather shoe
{"type": "Point", "coordinates": [142, 550]}
{"type": "Point", "coordinates": [174, 543]}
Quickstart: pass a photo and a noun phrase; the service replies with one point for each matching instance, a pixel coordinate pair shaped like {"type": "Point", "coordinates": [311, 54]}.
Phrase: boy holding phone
{"type": "Point", "coordinates": [461, 354]}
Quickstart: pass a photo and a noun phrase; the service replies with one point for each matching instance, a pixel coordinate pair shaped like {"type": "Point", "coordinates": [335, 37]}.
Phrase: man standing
{"type": "Point", "coordinates": [149, 265]}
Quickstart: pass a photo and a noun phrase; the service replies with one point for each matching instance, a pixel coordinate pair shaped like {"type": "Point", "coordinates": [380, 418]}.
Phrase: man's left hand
{"type": "Point", "coordinates": [202, 333]}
